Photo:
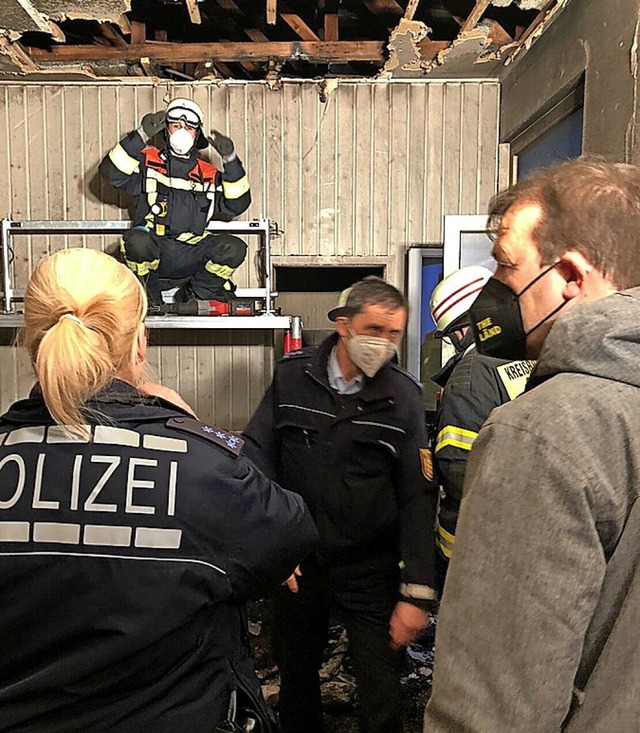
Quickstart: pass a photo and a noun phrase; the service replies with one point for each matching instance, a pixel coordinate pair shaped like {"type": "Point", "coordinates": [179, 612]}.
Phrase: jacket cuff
{"type": "Point", "coordinates": [411, 592]}
{"type": "Point", "coordinates": [143, 134]}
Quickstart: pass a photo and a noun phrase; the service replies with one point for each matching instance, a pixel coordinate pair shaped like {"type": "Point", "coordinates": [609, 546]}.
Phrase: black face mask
{"type": "Point", "coordinates": [496, 319]}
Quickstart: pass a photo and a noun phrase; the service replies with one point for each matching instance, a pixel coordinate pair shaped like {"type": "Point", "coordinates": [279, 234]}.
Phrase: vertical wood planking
{"type": "Point", "coordinates": [368, 172]}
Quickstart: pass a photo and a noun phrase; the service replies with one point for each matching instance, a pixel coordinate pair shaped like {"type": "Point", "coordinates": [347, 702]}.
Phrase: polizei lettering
{"type": "Point", "coordinates": [95, 483]}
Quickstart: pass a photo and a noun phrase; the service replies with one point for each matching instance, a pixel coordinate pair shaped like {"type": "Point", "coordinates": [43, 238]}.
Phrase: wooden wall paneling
{"type": "Point", "coordinates": [434, 162]}
{"type": "Point", "coordinates": [311, 112]}
{"type": "Point", "coordinates": [417, 166]}
{"type": "Point", "coordinates": [469, 149]}
{"type": "Point", "coordinates": [399, 137]}
{"type": "Point", "coordinates": [363, 191]}
{"type": "Point", "coordinates": [380, 170]}
{"type": "Point", "coordinates": [327, 174]}
{"type": "Point", "coordinates": [291, 181]}
{"type": "Point", "coordinates": [451, 173]}
{"type": "Point", "coordinates": [346, 175]}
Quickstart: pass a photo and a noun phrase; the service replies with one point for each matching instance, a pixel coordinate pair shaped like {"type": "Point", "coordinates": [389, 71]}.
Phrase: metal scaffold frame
{"type": "Point", "coordinates": [262, 227]}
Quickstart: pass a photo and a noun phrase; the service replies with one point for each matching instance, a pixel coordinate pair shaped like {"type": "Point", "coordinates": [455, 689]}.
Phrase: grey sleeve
{"type": "Point", "coordinates": [522, 587]}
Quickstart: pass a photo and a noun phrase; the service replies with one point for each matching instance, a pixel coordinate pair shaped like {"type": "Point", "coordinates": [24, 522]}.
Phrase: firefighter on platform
{"type": "Point", "coordinates": [176, 194]}
{"type": "Point", "coordinates": [472, 386]}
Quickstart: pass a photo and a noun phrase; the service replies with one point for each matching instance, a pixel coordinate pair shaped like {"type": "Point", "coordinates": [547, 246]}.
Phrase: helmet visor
{"type": "Point", "coordinates": [188, 116]}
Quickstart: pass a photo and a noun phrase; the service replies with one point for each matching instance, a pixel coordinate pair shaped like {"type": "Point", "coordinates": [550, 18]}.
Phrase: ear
{"type": "Point", "coordinates": [575, 269]}
{"type": "Point", "coordinates": [342, 326]}
{"type": "Point", "coordinates": [141, 344]}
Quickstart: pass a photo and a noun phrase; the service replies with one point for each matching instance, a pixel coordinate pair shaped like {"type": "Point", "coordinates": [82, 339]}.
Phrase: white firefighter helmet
{"type": "Point", "coordinates": [452, 298]}
{"type": "Point", "coordinates": [191, 113]}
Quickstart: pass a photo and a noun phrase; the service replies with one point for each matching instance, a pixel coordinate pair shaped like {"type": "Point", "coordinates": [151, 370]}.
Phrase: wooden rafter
{"type": "Point", "coordinates": [299, 26]}
{"type": "Point", "coordinates": [194, 11]}
{"type": "Point", "coordinates": [110, 33]}
{"type": "Point", "coordinates": [410, 10]}
{"type": "Point", "coordinates": [474, 16]}
{"type": "Point", "coordinates": [272, 11]}
{"type": "Point", "coordinates": [321, 52]}
{"type": "Point", "coordinates": [331, 20]}
{"type": "Point", "coordinates": [138, 34]}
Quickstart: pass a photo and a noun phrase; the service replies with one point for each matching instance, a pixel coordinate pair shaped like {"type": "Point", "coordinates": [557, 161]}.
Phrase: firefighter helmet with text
{"type": "Point", "coordinates": [452, 298]}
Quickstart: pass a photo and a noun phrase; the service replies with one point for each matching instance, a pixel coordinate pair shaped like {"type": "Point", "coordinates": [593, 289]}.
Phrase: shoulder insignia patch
{"type": "Point", "coordinates": [426, 461]}
{"type": "Point", "coordinates": [229, 441]}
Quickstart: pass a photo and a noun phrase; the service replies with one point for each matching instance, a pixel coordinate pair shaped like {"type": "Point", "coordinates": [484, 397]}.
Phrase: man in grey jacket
{"type": "Point", "coordinates": [538, 629]}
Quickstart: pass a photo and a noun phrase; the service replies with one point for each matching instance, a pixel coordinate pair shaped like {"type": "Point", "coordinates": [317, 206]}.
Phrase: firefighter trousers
{"type": "Point", "coordinates": [207, 266]}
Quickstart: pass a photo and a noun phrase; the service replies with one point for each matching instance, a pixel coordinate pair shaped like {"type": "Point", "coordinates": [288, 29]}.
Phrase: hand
{"type": "Point", "coordinates": [291, 582]}
{"type": "Point", "coordinates": [165, 393]}
{"type": "Point", "coordinates": [407, 622]}
{"type": "Point", "coordinates": [222, 144]}
{"type": "Point", "coordinates": [152, 123]}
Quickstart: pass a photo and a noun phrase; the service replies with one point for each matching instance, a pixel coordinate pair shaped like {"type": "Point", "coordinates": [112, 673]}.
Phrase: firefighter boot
{"type": "Point", "coordinates": [151, 283]}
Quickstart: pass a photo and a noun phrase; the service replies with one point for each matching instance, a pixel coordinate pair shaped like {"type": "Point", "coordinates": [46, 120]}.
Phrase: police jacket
{"type": "Point", "coordinates": [174, 196]}
{"type": "Point", "coordinates": [125, 563]}
{"type": "Point", "coordinates": [355, 459]}
{"type": "Point", "coordinates": [472, 389]}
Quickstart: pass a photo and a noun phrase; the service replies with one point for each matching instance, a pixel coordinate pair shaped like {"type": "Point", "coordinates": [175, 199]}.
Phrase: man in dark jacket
{"type": "Point", "coordinates": [537, 630]}
{"type": "Point", "coordinates": [344, 426]}
{"type": "Point", "coordinates": [176, 194]}
{"type": "Point", "coordinates": [126, 563]}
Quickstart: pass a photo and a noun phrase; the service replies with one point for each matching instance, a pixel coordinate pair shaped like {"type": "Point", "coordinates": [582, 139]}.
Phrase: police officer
{"type": "Point", "coordinates": [131, 533]}
{"type": "Point", "coordinates": [344, 426]}
{"type": "Point", "coordinates": [176, 194]}
{"type": "Point", "coordinates": [472, 386]}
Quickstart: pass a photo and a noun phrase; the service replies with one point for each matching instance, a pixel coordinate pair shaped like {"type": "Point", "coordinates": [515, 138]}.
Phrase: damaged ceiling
{"type": "Point", "coordinates": [266, 39]}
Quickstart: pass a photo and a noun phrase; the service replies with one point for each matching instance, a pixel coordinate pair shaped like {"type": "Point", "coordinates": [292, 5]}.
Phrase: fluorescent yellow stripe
{"type": "Point", "coordinates": [190, 238]}
{"type": "Point", "coordinates": [223, 271]}
{"type": "Point", "coordinates": [443, 548]}
{"type": "Point", "coordinates": [235, 189]}
{"type": "Point", "coordinates": [456, 437]}
{"type": "Point", "coordinates": [446, 536]}
{"type": "Point", "coordinates": [123, 161]}
{"type": "Point", "coordinates": [143, 268]}
{"type": "Point", "coordinates": [180, 184]}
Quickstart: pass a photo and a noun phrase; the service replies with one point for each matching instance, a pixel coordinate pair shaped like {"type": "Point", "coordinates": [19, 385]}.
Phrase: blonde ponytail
{"type": "Point", "coordinates": [83, 314]}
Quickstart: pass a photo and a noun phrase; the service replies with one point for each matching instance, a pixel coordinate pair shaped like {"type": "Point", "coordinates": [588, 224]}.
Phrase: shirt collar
{"type": "Point", "coordinates": [337, 380]}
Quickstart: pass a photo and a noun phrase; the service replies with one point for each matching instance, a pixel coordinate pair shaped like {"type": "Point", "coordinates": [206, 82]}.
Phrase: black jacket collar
{"type": "Point", "coordinates": [119, 401]}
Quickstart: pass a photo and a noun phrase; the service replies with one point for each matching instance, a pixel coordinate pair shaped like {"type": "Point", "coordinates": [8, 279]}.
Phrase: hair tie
{"type": "Point", "coordinates": [72, 317]}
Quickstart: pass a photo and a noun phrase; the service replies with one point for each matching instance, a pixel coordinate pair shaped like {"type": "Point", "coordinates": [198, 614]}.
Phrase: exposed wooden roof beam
{"type": "Point", "coordinates": [430, 49]}
{"type": "Point", "coordinates": [138, 34]}
{"type": "Point", "coordinates": [411, 9]}
{"type": "Point", "coordinates": [272, 11]}
{"type": "Point", "coordinates": [314, 51]}
{"type": "Point", "coordinates": [114, 38]}
{"type": "Point", "coordinates": [474, 16]}
{"type": "Point", "coordinates": [299, 26]}
{"type": "Point", "coordinates": [194, 11]}
{"type": "Point", "coordinates": [331, 20]}
{"type": "Point", "coordinates": [331, 27]}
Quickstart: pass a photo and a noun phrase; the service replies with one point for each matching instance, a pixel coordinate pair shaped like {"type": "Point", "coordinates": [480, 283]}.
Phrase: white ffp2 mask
{"type": "Point", "coordinates": [370, 353]}
{"type": "Point", "coordinates": [181, 141]}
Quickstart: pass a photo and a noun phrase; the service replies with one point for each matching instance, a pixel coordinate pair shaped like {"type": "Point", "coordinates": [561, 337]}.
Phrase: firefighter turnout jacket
{"type": "Point", "coordinates": [125, 563]}
{"type": "Point", "coordinates": [472, 389]}
{"type": "Point", "coordinates": [356, 460]}
{"type": "Point", "coordinates": [174, 196]}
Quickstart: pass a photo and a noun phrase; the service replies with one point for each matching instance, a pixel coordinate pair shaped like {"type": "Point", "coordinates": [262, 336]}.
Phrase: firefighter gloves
{"type": "Point", "coordinates": [152, 123]}
{"type": "Point", "coordinates": [221, 144]}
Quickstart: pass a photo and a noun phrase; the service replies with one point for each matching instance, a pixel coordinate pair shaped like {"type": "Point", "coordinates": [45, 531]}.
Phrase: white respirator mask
{"type": "Point", "coordinates": [370, 353]}
{"type": "Point", "coordinates": [181, 141]}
